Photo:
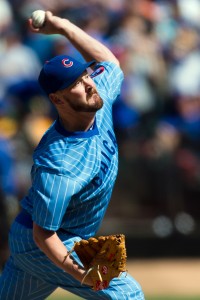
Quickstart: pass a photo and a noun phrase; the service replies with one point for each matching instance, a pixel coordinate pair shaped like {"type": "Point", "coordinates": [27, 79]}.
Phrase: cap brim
{"type": "Point", "coordinates": [77, 74]}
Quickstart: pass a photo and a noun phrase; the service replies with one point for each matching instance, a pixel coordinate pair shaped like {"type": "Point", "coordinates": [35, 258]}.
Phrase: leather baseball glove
{"type": "Point", "coordinates": [103, 257]}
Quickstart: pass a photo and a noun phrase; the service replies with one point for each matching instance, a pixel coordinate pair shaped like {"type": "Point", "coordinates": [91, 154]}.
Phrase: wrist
{"type": "Point", "coordinates": [65, 28]}
{"type": "Point", "coordinates": [75, 270]}
{"type": "Point", "coordinates": [71, 266]}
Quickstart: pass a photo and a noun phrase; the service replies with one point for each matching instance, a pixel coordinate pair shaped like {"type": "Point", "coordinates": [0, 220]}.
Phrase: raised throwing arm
{"type": "Point", "coordinates": [89, 47]}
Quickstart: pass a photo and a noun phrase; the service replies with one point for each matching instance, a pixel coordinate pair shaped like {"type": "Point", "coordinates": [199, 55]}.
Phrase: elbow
{"type": "Point", "coordinates": [106, 56]}
{"type": "Point", "coordinates": [41, 235]}
{"type": "Point", "coordinates": [114, 60]}
{"type": "Point", "coordinates": [36, 238]}
{"type": "Point", "coordinates": [38, 235]}
{"type": "Point", "coordinates": [117, 62]}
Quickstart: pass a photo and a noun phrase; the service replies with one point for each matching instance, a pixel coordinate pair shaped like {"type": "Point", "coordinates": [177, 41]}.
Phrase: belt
{"type": "Point", "coordinates": [25, 219]}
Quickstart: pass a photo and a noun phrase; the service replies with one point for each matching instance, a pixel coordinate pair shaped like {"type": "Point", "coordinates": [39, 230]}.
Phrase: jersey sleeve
{"type": "Point", "coordinates": [51, 194]}
{"type": "Point", "coordinates": [108, 78]}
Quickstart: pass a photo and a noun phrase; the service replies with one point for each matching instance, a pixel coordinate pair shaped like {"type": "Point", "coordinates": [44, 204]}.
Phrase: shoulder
{"type": "Point", "coordinates": [50, 149]}
{"type": "Point", "coordinates": [106, 68]}
{"type": "Point", "coordinates": [108, 78]}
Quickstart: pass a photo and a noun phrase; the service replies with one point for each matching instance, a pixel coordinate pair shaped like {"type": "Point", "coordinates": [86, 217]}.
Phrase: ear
{"type": "Point", "coordinates": [55, 99]}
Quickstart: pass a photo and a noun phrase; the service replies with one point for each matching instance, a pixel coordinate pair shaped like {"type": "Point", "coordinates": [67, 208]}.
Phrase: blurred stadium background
{"type": "Point", "coordinates": [156, 201]}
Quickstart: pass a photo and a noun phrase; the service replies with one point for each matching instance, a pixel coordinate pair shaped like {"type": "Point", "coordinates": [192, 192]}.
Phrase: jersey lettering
{"type": "Point", "coordinates": [110, 149]}
{"type": "Point", "coordinates": [104, 167]}
{"type": "Point", "coordinates": [112, 137]}
{"type": "Point", "coordinates": [106, 156]}
{"type": "Point", "coordinates": [97, 181]}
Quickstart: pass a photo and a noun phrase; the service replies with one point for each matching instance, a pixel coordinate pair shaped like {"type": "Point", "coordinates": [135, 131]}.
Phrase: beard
{"type": "Point", "coordinates": [92, 104]}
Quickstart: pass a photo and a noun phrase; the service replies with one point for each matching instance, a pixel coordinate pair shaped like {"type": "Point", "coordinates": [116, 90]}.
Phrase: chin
{"type": "Point", "coordinates": [96, 100]}
{"type": "Point", "coordinates": [94, 108]}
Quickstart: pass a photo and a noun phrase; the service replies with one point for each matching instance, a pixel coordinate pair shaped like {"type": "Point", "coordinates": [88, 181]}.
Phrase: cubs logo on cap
{"type": "Point", "coordinates": [67, 62]}
{"type": "Point", "coordinates": [60, 72]}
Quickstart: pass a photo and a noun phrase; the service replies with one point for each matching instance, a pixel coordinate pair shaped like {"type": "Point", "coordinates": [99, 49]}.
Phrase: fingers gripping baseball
{"type": "Point", "coordinates": [38, 18]}
{"type": "Point", "coordinates": [45, 22]}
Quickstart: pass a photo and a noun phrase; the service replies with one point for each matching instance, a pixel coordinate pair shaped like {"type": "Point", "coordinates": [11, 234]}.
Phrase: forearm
{"type": "Point", "coordinates": [89, 47]}
{"type": "Point", "coordinates": [56, 251]}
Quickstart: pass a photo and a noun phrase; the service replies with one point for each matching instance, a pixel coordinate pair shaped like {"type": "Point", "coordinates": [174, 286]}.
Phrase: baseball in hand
{"type": "Point", "coordinates": [38, 18]}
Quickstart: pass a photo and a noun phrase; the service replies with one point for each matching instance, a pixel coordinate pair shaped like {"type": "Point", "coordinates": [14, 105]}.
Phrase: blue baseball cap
{"type": "Point", "coordinates": [60, 72]}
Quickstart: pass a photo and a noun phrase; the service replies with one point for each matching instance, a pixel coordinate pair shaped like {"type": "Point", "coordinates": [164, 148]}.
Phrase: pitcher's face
{"type": "Point", "coordinates": [82, 96]}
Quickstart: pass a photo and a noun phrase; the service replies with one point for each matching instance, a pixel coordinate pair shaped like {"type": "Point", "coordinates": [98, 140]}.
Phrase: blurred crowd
{"type": "Point", "coordinates": [157, 117]}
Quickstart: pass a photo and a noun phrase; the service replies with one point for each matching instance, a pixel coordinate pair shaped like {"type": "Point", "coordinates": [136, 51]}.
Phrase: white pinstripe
{"type": "Point", "coordinates": [64, 194]}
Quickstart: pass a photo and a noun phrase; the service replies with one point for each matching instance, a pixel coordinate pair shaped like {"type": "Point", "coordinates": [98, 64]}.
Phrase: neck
{"type": "Point", "coordinates": [82, 122]}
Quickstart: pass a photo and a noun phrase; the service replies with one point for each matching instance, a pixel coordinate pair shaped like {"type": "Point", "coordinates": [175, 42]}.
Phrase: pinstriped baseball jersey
{"type": "Point", "coordinates": [72, 181]}
{"type": "Point", "coordinates": [74, 172]}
